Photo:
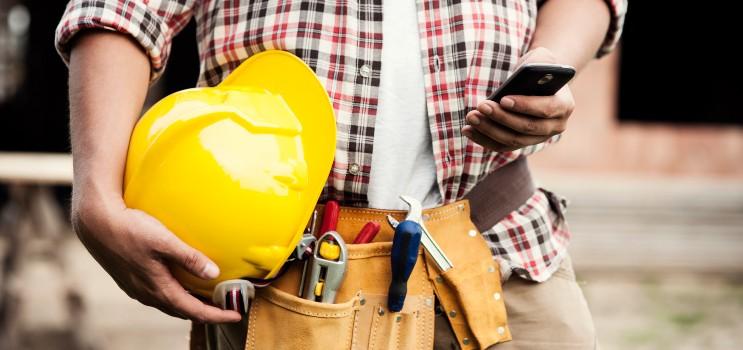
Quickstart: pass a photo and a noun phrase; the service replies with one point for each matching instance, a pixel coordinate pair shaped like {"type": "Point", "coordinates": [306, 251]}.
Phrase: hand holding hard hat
{"type": "Point", "coordinates": [235, 170]}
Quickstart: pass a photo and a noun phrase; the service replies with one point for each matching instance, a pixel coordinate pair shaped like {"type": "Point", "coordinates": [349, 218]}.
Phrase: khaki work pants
{"type": "Point", "coordinates": [550, 315]}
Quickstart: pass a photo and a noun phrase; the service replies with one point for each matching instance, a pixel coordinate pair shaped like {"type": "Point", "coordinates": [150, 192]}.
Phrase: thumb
{"type": "Point", "coordinates": [191, 259]}
{"type": "Point", "coordinates": [537, 55]}
{"type": "Point", "coordinates": [172, 248]}
{"type": "Point", "coordinates": [169, 246]}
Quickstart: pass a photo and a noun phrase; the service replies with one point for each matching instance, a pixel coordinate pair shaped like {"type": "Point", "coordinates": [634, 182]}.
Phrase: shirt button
{"type": "Point", "coordinates": [436, 63]}
{"type": "Point", "coordinates": [501, 330]}
{"type": "Point", "coordinates": [354, 169]}
{"type": "Point", "coordinates": [365, 71]}
{"type": "Point", "coordinates": [496, 296]}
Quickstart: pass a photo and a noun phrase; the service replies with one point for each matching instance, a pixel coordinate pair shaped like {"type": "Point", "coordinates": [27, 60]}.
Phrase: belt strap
{"type": "Point", "coordinates": [500, 193]}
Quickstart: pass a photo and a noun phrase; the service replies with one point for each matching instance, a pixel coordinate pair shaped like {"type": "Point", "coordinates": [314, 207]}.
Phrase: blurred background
{"type": "Point", "coordinates": [652, 163]}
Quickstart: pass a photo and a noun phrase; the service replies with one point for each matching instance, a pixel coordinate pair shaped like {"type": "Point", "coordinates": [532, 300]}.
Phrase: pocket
{"type": "Point", "coordinates": [410, 329]}
{"type": "Point", "coordinates": [378, 328]}
{"type": "Point", "coordinates": [470, 293]}
{"type": "Point", "coordinates": [472, 298]}
{"type": "Point", "coordinates": [279, 320]}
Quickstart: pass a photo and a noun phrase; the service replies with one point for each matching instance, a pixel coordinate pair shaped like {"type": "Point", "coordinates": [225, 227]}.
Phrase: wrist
{"type": "Point", "coordinates": [89, 195]}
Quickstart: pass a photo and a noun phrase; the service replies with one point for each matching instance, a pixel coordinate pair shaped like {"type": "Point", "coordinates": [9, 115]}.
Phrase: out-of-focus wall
{"type": "Point", "coordinates": [597, 142]}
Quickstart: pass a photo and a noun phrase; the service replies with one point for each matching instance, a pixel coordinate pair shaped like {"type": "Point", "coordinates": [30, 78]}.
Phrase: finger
{"type": "Point", "coordinates": [526, 124]}
{"type": "Point", "coordinates": [506, 136]}
{"type": "Point", "coordinates": [482, 140]}
{"type": "Point", "coordinates": [187, 305]}
{"type": "Point", "coordinates": [473, 115]}
{"type": "Point", "coordinates": [172, 248]}
{"type": "Point", "coordinates": [560, 105]}
{"type": "Point", "coordinates": [168, 311]}
{"type": "Point", "coordinates": [523, 124]}
{"type": "Point", "coordinates": [190, 259]}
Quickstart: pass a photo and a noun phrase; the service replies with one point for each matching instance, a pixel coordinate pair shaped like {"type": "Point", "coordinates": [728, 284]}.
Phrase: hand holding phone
{"type": "Point", "coordinates": [535, 79]}
{"type": "Point", "coordinates": [530, 107]}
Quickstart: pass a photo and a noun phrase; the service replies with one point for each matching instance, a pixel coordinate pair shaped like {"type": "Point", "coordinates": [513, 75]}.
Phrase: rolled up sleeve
{"type": "Point", "coordinates": [617, 8]}
{"type": "Point", "coordinates": [152, 24]}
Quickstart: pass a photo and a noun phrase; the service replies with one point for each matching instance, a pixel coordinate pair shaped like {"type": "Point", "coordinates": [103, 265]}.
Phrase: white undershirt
{"type": "Point", "coordinates": [402, 161]}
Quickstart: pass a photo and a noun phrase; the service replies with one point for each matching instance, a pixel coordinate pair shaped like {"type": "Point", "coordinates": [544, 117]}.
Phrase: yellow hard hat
{"type": "Point", "coordinates": [235, 170]}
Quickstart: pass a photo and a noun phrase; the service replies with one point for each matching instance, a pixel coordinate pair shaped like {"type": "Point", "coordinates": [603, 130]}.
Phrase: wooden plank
{"type": "Point", "coordinates": [36, 168]}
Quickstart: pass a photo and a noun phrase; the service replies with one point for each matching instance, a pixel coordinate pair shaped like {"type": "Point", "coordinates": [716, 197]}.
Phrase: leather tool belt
{"type": "Point", "coordinates": [470, 293]}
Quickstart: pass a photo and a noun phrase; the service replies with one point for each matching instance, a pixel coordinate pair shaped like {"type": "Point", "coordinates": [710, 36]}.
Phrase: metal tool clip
{"type": "Point", "coordinates": [230, 295]}
{"type": "Point", "coordinates": [234, 295]}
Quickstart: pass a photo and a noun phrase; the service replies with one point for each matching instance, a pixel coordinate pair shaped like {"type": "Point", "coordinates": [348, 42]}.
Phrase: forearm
{"type": "Point", "coordinates": [572, 29]}
{"type": "Point", "coordinates": [109, 76]}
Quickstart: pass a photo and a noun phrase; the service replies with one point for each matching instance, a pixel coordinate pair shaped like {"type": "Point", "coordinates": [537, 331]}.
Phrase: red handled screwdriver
{"type": "Point", "coordinates": [367, 233]}
{"type": "Point", "coordinates": [329, 217]}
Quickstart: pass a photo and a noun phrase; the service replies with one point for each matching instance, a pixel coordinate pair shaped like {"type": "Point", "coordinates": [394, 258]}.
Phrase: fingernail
{"type": "Point", "coordinates": [211, 271]}
{"type": "Point", "coordinates": [474, 120]}
{"type": "Point", "coordinates": [485, 108]}
{"type": "Point", "coordinates": [507, 102]}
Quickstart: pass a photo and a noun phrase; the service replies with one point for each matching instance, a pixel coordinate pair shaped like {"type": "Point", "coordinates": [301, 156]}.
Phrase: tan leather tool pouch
{"type": "Point", "coordinates": [470, 293]}
{"type": "Point", "coordinates": [359, 319]}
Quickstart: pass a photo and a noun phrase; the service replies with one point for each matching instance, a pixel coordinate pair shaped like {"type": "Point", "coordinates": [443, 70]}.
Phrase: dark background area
{"type": "Point", "coordinates": [678, 64]}
{"type": "Point", "coordinates": [36, 119]}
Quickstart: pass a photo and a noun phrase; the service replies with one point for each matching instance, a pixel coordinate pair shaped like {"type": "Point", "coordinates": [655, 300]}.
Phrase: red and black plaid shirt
{"type": "Point", "coordinates": [468, 47]}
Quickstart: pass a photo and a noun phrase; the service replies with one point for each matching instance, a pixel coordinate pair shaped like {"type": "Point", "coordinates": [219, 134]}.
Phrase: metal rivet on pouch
{"type": "Point", "coordinates": [501, 330]}
{"type": "Point", "coordinates": [496, 296]}
{"type": "Point", "coordinates": [452, 314]}
{"type": "Point", "coordinates": [429, 302]}
{"type": "Point", "coordinates": [466, 341]}
{"type": "Point", "coordinates": [439, 279]}
{"type": "Point", "coordinates": [491, 269]}
{"type": "Point", "coordinates": [380, 311]}
{"type": "Point", "coordinates": [460, 207]}
{"type": "Point", "coordinates": [426, 217]}
{"type": "Point", "coordinates": [398, 318]}
{"type": "Point", "coordinates": [472, 233]}
{"type": "Point", "coordinates": [362, 301]}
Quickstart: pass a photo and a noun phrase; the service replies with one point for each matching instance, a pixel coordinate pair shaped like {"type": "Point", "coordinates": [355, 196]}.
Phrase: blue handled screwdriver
{"type": "Point", "coordinates": [404, 255]}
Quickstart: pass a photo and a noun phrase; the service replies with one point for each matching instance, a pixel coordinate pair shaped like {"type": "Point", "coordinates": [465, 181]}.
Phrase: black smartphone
{"type": "Point", "coordinates": [535, 79]}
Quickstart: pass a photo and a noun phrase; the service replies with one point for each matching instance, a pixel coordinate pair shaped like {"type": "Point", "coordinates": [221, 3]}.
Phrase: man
{"type": "Point", "coordinates": [408, 82]}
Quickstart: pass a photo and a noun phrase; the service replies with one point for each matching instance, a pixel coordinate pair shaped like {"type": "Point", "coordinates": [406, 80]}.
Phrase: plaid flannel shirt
{"type": "Point", "coordinates": [468, 47]}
